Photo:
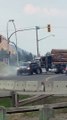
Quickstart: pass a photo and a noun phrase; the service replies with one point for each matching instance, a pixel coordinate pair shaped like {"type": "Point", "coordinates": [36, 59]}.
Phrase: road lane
{"type": "Point", "coordinates": [27, 77]}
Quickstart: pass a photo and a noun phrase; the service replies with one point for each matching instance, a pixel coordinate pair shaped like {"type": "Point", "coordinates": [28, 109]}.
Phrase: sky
{"type": "Point", "coordinates": [31, 13]}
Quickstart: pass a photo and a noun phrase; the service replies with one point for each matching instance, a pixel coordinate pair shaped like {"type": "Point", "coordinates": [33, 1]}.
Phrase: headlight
{"type": "Point", "coordinates": [28, 68]}
{"type": "Point", "coordinates": [17, 68]}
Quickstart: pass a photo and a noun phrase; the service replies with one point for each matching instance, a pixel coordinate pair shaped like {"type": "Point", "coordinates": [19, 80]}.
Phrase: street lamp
{"type": "Point", "coordinates": [37, 40]}
{"type": "Point", "coordinates": [7, 42]}
{"type": "Point", "coordinates": [11, 20]}
{"type": "Point", "coordinates": [46, 37]}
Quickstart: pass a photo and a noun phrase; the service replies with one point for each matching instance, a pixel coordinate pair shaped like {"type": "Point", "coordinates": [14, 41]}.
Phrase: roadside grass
{"type": "Point", "coordinates": [6, 102]}
{"type": "Point", "coordinates": [49, 100]}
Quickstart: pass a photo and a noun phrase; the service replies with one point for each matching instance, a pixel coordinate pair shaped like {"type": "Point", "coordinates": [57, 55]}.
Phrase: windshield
{"type": "Point", "coordinates": [24, 64]}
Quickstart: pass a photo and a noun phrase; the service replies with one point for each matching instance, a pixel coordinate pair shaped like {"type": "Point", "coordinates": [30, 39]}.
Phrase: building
{"type": "Point", "coordinates": [7, 50]}
{"type": "Point", "coordinates": [5, 46]}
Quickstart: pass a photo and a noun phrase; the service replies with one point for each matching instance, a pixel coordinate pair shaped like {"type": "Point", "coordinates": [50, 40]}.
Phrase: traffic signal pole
{"type": "Point", "coordinates": [37, 39]}
{"type": "Point", "coordinates": [37, 42]}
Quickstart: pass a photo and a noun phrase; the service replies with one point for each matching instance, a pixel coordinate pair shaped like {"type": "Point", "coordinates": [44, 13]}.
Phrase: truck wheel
{"type": "Point", "coordinates": [38, 71]}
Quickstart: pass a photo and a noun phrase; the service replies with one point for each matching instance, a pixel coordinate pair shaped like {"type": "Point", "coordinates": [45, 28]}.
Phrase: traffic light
{"type": "Point", "coordinates": [0, 38]}
{"type": "Point", "coordinates": [49, 28]}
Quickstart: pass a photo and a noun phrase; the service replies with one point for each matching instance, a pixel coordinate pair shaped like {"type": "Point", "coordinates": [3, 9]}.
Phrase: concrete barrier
{"type": "Point", "coordinates": [47, 87]}
{"type": "Point", "coordinates": [56, 87]}
{"type": "Point", "coordinates": [21, 85]}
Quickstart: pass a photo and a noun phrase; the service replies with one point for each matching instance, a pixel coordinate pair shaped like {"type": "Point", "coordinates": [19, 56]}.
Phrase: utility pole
{"type": "Point", "coordinates": [16, 42]}
{"type": "Point", "coordinates": [37, 43]}
{"type": "Point", "coordinates": [37, 39]}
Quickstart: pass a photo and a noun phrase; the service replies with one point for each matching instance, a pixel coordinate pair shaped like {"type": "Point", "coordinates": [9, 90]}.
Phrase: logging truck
{"type": "Point", "coordinates": [56, 59]}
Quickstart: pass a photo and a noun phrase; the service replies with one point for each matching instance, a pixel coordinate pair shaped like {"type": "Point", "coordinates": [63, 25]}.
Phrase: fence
{"type": "Point", "coordinates": [2, 113]}
{"type": "Point", "coordinates": [46, 112]}
{"type": "Point", "coordinates": [15, 88]}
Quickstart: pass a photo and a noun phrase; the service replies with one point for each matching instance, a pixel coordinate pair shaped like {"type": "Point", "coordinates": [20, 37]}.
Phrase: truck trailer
{"type": "Point", "coordinates": [57, 59]}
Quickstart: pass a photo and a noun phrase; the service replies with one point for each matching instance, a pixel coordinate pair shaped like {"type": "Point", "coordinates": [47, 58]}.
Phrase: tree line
{"type": "Point", "coordinates": [22, 56]}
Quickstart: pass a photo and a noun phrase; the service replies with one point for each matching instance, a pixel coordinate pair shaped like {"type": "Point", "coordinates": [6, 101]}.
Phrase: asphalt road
{"type": "Point", "coordinates": [41, 77]}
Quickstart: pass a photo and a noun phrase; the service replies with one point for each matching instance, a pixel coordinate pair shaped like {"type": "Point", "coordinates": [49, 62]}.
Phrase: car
{"type": "Point", "coordinates": [29, 68]}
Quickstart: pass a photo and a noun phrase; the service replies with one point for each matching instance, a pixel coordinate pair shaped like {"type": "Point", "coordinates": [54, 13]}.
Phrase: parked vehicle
{"type": "Point", "coordinates": [29, 68]}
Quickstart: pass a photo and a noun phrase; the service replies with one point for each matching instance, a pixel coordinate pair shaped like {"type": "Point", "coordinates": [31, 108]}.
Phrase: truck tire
{"type": "Point", "coordinates": [38, 71]}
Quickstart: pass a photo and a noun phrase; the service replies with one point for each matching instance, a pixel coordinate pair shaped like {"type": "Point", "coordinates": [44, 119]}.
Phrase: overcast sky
{"type": "Point", "coordinates": [31, 13]}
